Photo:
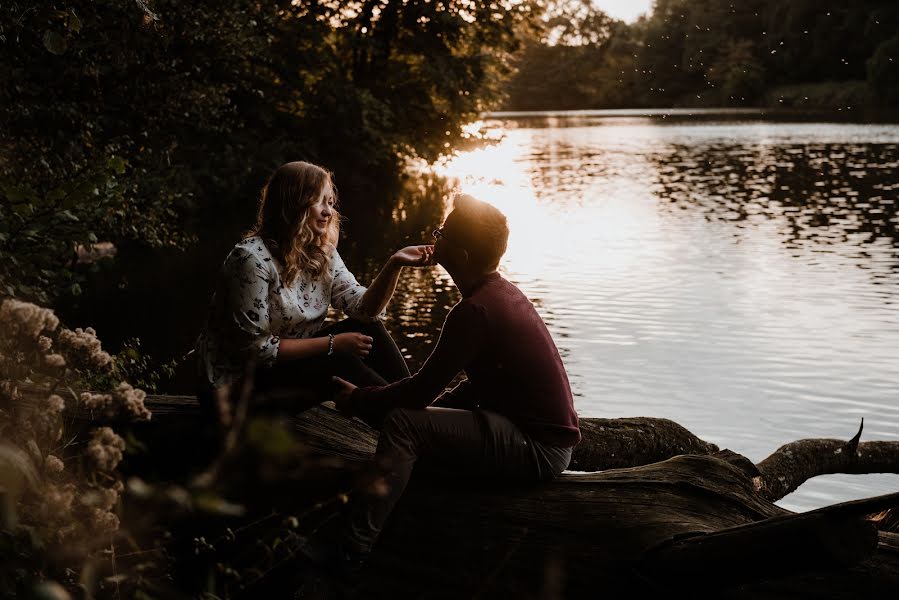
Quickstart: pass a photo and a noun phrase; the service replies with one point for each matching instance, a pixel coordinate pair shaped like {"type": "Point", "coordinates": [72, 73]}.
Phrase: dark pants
{"type": "Point", "coordinates": [471, 443]}
{"type": "Point", "coordinates": [383, 365]}
{"type": "Point", "coordinates": [303, 383]}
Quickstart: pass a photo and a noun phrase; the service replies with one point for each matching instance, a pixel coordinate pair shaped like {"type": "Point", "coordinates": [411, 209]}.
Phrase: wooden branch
{"type": "Point", "coordinates": [835, 536]}
{"type": "Point", "coordinates": [792, 464]}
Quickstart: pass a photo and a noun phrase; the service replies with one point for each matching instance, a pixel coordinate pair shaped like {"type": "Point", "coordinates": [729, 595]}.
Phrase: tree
{"type": "Point", "coordinates": [883, 72]}
{"type": "Point", "coordinates": [150, 124]}
{"type": "Point", "coordinates": [579, 57]}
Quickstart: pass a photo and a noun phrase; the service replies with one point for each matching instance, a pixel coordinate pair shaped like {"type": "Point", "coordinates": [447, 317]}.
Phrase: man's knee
{"type": "Point", "coordinates": [399, 433]}
{"type": "Point", "coordinates": [398, 420]}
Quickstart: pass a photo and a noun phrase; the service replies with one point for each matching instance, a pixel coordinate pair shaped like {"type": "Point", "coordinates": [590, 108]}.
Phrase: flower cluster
{"type": "Point", "coordinates": [69, 491]}
{"type": "Point", "coordinates": [125, 399]}
{"type": "Point", "coordinates": [24, 320]}
{"type": "Point", "coordinates": [132, 401]}
{"type": "Point", "coordinates": [47, 418]}
{"type": "Point", "coordinates": [105, 448]}
{"type": "Point", "coordinates": [82, 349]}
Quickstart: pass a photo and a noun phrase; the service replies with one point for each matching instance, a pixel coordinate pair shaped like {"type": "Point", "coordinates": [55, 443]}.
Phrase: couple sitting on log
{"type": "Point", "coordinates": [512, 418]}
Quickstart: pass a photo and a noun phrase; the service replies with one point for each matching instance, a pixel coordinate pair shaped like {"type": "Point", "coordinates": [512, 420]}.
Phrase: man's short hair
{"type": "Point", "coordinates": [482, 229]}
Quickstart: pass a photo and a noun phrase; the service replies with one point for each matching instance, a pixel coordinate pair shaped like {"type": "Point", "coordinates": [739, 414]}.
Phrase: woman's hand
{"type": "Point", "coordinates": [414, 256]}
{"type": "Point", "coordinates": [352, 344]}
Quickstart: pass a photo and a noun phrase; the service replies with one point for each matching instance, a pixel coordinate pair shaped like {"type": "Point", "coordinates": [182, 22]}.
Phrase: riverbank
{"type": "Point", "coordinates": [840, 100]}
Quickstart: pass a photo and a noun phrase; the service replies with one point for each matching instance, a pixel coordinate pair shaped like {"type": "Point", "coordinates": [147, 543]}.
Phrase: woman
{"type": "Point", "coordinates": [273, 295]}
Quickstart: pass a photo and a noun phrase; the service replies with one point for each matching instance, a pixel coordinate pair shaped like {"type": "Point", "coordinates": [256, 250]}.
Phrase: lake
{"type": "Point", "coordinates": [733, 271]}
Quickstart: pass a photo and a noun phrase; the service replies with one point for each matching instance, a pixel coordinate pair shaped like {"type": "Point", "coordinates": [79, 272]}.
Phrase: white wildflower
{"type": "Point", "coordinates": [102, 497]}
{"type": "Point", "coordinates": [47, 419]}
{"type": "Point", "coordinates": [58, 499]}
{"type": "Point", "coordinates": [53, 404]}
{"type": "Point", "coordinates": [82, 349]}
{"type": "Point", "coordinates": [132, 401]}
{"type": "Point", "coordinates": [95, 401]}
{"type": "Point", "coordinates": [103, 520]}
{"type": "Point", "coordinates": [54, 464]}
{"type": "Point", "coordinates": [105, 448]}
{"type": "Point", "coordinates": [55, 360]}
{"type": "Point", "coordinates": [23, 319]}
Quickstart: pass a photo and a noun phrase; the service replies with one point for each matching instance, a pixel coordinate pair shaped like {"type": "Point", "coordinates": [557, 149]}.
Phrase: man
{"type": "Point", "coordinates": [512, 418]}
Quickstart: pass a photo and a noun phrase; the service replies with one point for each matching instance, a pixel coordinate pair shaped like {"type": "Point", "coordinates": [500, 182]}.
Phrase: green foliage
{"type": "Point", "coordinates": [153, 122]}
{"type": "Point", "coordinates": [717, 52]}
{"type": "Point", "coordinates": [579, 58]}
{"type": "Point", "coordinates": [132, 364]}
{"type": "Point", "coordinates": [883, 71]}
{"type": "Point", "coordinates": [738, 74]}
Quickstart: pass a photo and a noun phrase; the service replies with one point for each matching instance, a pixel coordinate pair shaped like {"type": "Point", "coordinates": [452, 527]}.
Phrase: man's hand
{"type": "Point", "coordinates": [342, 392]}
{"type": "Point", "coordinates": [414, 256]}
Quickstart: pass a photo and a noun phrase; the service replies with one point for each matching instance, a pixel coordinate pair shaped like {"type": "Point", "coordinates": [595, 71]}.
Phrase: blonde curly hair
{"type": "Point", "coordinates": [283, 215]}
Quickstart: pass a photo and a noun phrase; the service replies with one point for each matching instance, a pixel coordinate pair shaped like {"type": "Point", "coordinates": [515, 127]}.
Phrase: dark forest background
{"type": "Point", "coordinates": [818, 54]}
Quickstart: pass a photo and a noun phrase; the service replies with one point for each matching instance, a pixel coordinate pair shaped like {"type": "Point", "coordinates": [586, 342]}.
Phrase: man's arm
{"type": "Point", "coordinates": [462, 396]}
{"type": "Point", "coordinates": [460, 341]}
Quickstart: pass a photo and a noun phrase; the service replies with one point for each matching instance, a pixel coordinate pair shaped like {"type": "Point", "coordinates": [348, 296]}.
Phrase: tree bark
{"type": "Point", "coordinates": [794, 463]}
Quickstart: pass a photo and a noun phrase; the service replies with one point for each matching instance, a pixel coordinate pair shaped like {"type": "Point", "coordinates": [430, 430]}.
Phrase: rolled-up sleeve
{"type": "Point", "coordinates": [346, 292]}
{"type": "Point", "coordinates": [247, 307]}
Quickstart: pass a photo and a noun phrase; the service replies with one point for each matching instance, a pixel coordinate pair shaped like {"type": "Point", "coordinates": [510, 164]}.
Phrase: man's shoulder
{"type": "Point", "coordinates": [466, 309]}
{"type": "Point", "coordinates": [498, 290]}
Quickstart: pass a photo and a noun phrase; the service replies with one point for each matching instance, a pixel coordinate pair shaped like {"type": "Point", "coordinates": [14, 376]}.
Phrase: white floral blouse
{"type": "Point", "coordinates": [252, 310]}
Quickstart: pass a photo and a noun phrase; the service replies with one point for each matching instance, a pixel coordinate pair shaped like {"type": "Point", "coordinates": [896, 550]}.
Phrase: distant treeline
{"type": "Point", "coordinates": [806, 53]}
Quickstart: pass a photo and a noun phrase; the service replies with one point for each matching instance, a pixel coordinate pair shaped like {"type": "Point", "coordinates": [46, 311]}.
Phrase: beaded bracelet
{"type": "Point", "coordinates": [330, 344]}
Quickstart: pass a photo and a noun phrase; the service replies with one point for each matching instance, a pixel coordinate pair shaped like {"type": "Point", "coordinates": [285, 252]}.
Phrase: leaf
{"type": "Point", "coordinates": [217, 505]}
{"type": "Point", "coordinates": [117, 164]}
{"type": "Point", "coordinates": [22, 209]}
{"type": "Point", "coordinates": [75, 289]}
{"type": "Point", "coordinates": [55, 43]}
{"type": "Point", "coordinates": [73, 23]}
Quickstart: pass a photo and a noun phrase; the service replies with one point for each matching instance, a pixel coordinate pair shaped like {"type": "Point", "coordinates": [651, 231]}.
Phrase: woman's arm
{"type": "Point", "coordinates": [352, 343]}
{"type": "Point", "coordinates": [381, 289]}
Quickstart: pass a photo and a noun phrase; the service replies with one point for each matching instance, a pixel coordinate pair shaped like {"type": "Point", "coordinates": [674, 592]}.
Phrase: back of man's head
{"type": "Point", "coordinates": [482, 229]}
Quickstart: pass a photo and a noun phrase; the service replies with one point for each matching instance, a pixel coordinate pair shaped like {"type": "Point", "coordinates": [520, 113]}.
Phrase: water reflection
{"type": "Point", "coordinates": [736, 276]}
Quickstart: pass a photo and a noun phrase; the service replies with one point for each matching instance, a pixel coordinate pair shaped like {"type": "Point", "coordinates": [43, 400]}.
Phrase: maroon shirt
{"type": "Point", "coordinates": [513, 367]}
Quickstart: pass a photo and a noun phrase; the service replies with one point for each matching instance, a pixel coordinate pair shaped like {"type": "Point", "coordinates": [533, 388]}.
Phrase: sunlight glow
{"type": "Point", "coordinates": [589, 224]}
{"type": "Point", "coordinates": [626, 10]}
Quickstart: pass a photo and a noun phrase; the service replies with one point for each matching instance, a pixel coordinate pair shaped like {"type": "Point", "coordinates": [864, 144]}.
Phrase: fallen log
{"type": "Point", "coordinates": [651, 508]}
{"type": "Point", "coordinates": [659, 484]}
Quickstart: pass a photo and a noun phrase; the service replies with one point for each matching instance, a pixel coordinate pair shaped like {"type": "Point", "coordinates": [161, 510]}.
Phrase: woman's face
{"type": "Point", "coordinates": [319, 214]}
